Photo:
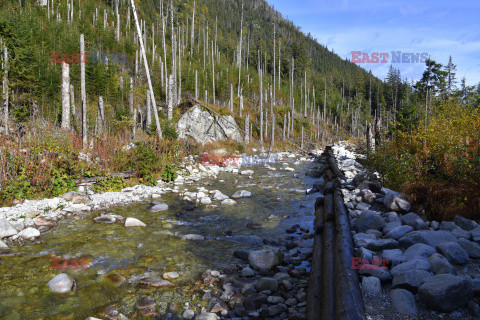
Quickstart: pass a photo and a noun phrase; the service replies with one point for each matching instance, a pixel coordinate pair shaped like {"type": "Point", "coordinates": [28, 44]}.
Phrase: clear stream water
{"type": "Point", "coordinates": [153, 250]}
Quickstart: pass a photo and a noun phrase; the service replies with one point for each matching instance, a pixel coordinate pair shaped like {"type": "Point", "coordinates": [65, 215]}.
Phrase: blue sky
{"type": "Point", "coordinates": [439, 28]}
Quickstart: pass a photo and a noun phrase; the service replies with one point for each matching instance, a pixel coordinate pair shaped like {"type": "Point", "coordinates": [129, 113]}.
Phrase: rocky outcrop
{"type": "Point", "coordinates": [204, 126]}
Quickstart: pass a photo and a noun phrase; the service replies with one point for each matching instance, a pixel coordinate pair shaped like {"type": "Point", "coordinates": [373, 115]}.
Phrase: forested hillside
{"type": "Point", "coordinates": [240, 57]}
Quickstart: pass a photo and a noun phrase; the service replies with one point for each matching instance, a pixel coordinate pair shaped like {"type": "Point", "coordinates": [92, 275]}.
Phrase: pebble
{"type": "Point", "coordinates": [194, 237]}
{"type": "Point", "coordinates": [170, 275]}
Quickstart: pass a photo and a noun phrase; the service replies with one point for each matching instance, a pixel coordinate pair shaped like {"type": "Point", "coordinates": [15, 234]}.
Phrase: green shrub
{"type": "Point", "coordinates": [169, 173]}
{"type": "Point", "coordinates": [109, 184]}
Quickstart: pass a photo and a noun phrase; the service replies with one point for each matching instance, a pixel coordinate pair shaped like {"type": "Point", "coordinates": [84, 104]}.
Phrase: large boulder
{"type": "Point", "coordinates": [396, 201]}
{"type": "Point", "coordinates": [431, 238]}
{"type": "Point", "coordinates": [464, 223]}
{"type": "Point", "coordinates": [369, 220]}
{"type": "Point", "coordinates": [413, 220]}
{"type": "Point", "coordinates": [410, 280]}
{"type": "Point", "coordinates": [445, 292]}
{"type": "Point", "coordinates": [440, 264]}
{"type": "Point", "coordinates": [62, 283]}
{"type": "Point", "coordinates": [415, 264]}
{"type": "Point", "coordinates": [472, 248]}
{"type": "Point", "coordinates": [453, 252]}
{"type": "Point", "coordinates": [203, 126]}
{"type": "Point", "coordinates": [403, 302]}
{"type": "Point", "coordinates": [264, 259]}
{"type": "Point", "coordinates": [419, 251]}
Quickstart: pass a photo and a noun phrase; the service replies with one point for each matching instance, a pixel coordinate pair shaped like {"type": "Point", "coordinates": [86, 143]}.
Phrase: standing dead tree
{"type": "Point", "coordinates": [147, 71]}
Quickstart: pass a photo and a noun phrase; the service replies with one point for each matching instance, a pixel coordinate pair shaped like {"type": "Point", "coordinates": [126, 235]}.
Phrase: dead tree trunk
{"type": "Point", "coordinates": [65, 96]}
{"type": "Point", "coordinates": [149, 112]}
{"type": "Point", "coordinates": [5, 88]}
{"type": "Point", "coordinates": [100, 116]}
{"type": "Point", "coordinates": [370, 139]}
{"type": "Point", "coordinates": [83, 91]}
{"type": "Point", "coordinates": [247, 131]}
{"type": "Point", "coordinates": [170, 97]}
{"type": "Point", "coordinates": [261, 107]}
{"type": "Point", "coordinates": [142, 48]}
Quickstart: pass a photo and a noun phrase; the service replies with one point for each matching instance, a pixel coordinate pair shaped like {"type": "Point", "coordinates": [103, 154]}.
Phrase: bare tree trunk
{"type": "Point", "coordinates": [261, 106]}
{"type": "Point", "coordinates": [370, 139]}
{"type": "Point", "coordinates": [241, 105]}
{"type": "Point", "coordinates": [170, 97]}
{"type": "Point", "coordinates": [240, 54]}
{"type": "Point", "coordinates": [117, 30]}
{"type": "Point", "coordinates": [101, 116]}
{"type": "Point", "coordinates": [247, 132]}
{"type": "Point", "coordinates": [274, 70]}
{"type": "Point", "coordinates": [72, 106]}
{"type": "Point", "coordinates": [65, 96]}
{"type": "Point", "coordinates": [5, 88]}
{"type": "Point", "coordinates": [272, 138]}
{"type": "Point", "coordinates": [192, 44]}
{"type": "Point", "coordinates": [301, 145]}
{"type": "Point", "coordinates": [231, 97]}
{"type": "Point", "coordinates": [149, 111]}
{"type": "Point", "coordinates": [284, 125]}
{"type": "Point", "coordinates": [130, 105]}
{"type": "Point", "coordinates": [142, 48]}
{"type": "Point", "coordinates": [83, 91]}
{"type": "Point", "coordinates": [196, 84]}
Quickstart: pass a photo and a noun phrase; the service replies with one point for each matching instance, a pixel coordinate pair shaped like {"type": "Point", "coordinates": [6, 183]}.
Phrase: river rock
{"type": "Point", "coordinates": [440, 264]}
{"type": "Point", "coordinates": [158, 206]}
{"type": "Point", "coordinates": [205, 200]}
{"type": "Point", "coordinates": [415, 264]}
{"type": "Point", "coordinates": [382, 244]}
{"type": "Point", "coordinates": [3, 245]}
{"type": "Point", "coordinates": [472, 248]}
{"type": "Point", "coordinates": [145, 302]}
{"type": "Point", "coordinates": [460, 233]}
{"type": "Point", "coordinates": [228, 202]}
{"type": "Point", "coordinates": [62, 283]}
{"type": "Point", "coordinates": [419, 251]}
{"type": "Point", "coordinates": [242, 194]}
{"type": "Point", "coordinates": [363, 239]}
{"type": "Point", "coordinates": [396, 202]}
{"type": "Point", "coordinates": [445, 292]}
{"type": "Point", "coordinates": [453, 252]}
{"type": "Point", "coordinates": [403, 302]}
{"type": "Point", "coordinates": [155, 282]}
{"type": "Point", "coordinates": [132, 222]}
{"type": "Point", "coordinates": [372, 286]}
{"type": "Point", "coordinates": [206, 316]}
{"type": "Point", "coordinates": [448, 226]}
{"type": "Point", "coordinates": [464, 223]}
{"type": "Point", "coordinates": [218, 196]}
{"type": "Point", "coordinates": [247, 272]}
{"type": "Point", "coordinates": [192, 236]}
{"type": "Point", "coordinates": [170, 275]}
{"type": "Point", "coordinates": [6, 229]}
{"type": "Point", "coordinates": [375, 271]}
{"type": "Point", "coordinates": [188, 314]}
{"type": "Point", "coordinates": [369, 220]}
{"type": "Point", "coordinates": [28, 233]}
{"type": "Point", "coordinates": [413, 220]}
{"type": "Point", "coordinates": [394, 256]}
{"type": "Point", "coordinates": [19, 225]}
{"type": "Point", "coordinates": [398, 232]}
{"type": "Point", "coordinates": [254, 301]}
{"type": "Point", "coordinates": [266, 283]}
{"type": "Point", "coordinates": [264, 259]}
{"type": "Point", "coordinates": [431, 238]}
{"type": "Point", "coordinates": [410, 280]}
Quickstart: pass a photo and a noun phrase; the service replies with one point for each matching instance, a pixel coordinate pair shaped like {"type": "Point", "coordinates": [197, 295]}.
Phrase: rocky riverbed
{"type": "Point", "coordinates": [218, 243]}
{"type": "Point", "coordinates": [410, 268]}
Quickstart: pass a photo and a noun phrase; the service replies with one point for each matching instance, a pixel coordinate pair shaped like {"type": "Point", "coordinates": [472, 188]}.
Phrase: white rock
{"type": "Point", "coordinates": [28, 233]}
{"type": "Point", "coordinates": [158, 206]}
{"type": "Point", "coordinates": [228, 202]}
{"type": "Point", "coordinates": [132, 222]}
{"type": "Point", "coordinates": [3, 245]}
{"type": "Point", "coordinates": [192, 236]}
{"type": "Point", "coordinates": [6, 229]}
{"type": "Point", "coordinates": [170, 275]}
{"type": "Point", "coordinates": [242, 194]}
{"type": "Point", "coordinates": [62, 283]}
{"type": "Point", "coordinates": [219, 196]}
{"type": "Point", "coordinates": [289, 169]}
{"type": "Point", "coordinates": [246, 172]}
{"type": "Point", "coordinates": [205, 200]}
